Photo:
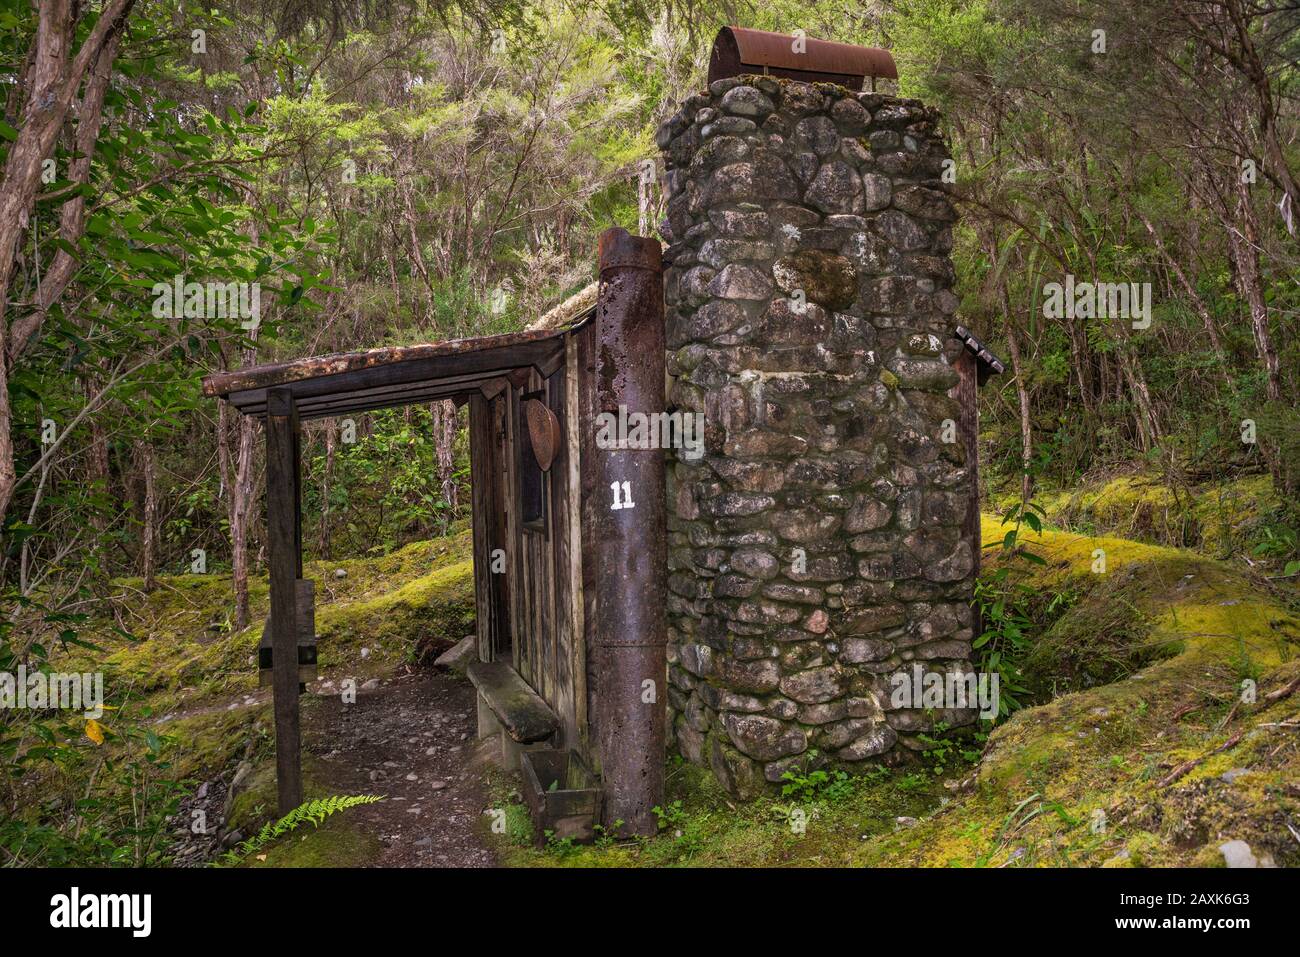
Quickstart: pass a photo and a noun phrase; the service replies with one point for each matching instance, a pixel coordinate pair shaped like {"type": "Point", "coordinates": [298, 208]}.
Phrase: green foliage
{"type": "Point", "coordinates": [384, 489]}
{"type": "Point", "coordinates": [115, 814]}
{"type": "Point", "coordinates": [314, 812]}
{"type": "Point", "coordinates": [669, 817]}
{"type": "Point", "coordinates": [814, 784]}
{"type": "Point", "coordinates": [1280, 543]}
{"type": "Point", "coordinates": [945, 754]}
{"type": "Point", "coordinates": [1010, 612]}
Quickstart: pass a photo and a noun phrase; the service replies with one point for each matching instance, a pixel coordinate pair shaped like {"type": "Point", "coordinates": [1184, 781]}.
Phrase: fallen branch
{"type": "Point", "coordinates": [1187, 766]}
{"type": "Point", "coordinates": [1286, 691]}
{"type": "Point", "coordinates": [1185, 710]}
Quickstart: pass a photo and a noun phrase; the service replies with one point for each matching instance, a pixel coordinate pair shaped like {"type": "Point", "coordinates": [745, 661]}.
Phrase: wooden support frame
{"type": "Point", "coordinates": [284, 547]}
{"type": "Point", "coordinates": [487, 373]}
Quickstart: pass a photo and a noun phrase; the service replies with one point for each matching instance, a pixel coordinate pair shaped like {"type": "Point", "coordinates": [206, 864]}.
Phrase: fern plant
{"type": "Point", "coordinates": [314, 811]}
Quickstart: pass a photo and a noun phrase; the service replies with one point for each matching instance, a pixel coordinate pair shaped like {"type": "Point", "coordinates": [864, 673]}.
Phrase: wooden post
{"type": "Point", "coordinates": [284, 543]}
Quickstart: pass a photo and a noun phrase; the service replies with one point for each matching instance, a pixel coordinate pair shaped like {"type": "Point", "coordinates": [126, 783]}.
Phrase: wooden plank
{"type": "Point", "coordinates": [397, 363]}
{"type": "Point", "coordinates": [306, 636]}
{"type": "Point", "coordinates": [502, 583]}
{"type": "Point", "coordinates": [480, 468]}
{"type": "Point", "coordinates": [562, 576]}
{"type": "Point", "coordinates": [347, 406]}
{"type": "Point", "coordinates": [544, 578]}
{"type": "Point", "coordinates": [311, 398]}
{"type": "Point", "coordinates": [413, 374]}
{"type": "Point", "coordinates": [572, 567]}
{"type": "Point", "coordinates": [514, 558]}
{"type": "Point", "coordinates": [284, 538]}
{"type": "Point", "coordinates": [524, 715]}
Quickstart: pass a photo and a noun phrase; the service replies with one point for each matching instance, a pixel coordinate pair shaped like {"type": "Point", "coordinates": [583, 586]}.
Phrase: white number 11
{"type": "Point", "coordinates": [623, 496]}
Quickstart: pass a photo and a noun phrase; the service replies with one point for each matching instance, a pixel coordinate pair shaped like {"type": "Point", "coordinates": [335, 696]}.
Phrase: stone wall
{"type": "Point", "coordinates": [815, 549]}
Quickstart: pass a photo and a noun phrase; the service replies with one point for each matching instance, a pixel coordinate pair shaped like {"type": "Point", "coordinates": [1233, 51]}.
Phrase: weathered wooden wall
{"type": "Point", "coordinates": [537, 609]}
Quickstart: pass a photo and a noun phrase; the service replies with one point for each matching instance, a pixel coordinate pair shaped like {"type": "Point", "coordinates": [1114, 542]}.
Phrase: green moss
{"type": "Point", "coordinates": [209, 742]}
{"type": "Point", "coordinates": [702, 827]}
{"type": "Point", "coordinates": [187, 655]}
{"type": "Point", "coordinates": [1101, 638]}
{"type": "Point", "coordinates": [1200, 627]}
{"type": "Point", "coordinates": [336, 843]}
{"type": "Point", "coordinates": [440, 603]}
{"type": "Point", "coordinates": [1217, 518]}
{"type": "Point", "coordinates": [1048, 768]}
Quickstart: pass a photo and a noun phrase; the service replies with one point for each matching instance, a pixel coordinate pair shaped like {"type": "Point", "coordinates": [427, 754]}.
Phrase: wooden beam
{"type": "Point", "coordinates": [407, 363]}
{"type": "Point", "coordinates": [247, 392]}
{"type": "Point", "coordinates": [284, 546]}
{"type": "Point", "coordinates": [310, 399]}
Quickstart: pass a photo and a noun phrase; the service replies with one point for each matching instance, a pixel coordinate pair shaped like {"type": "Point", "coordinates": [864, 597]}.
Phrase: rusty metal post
{"type": "Point", "coordinates": [631, 535]}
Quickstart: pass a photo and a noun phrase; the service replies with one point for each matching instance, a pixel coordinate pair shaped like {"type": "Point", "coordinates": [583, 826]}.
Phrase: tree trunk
{"type": "Point", "coordinates": [72, 217]}
{"type": "Point", "coordinates": [323, 539]}
{"type": "Point", "coordinates": [1245, 247]}
{"type": "Point", "coordinates": [144, 455]}
{"type": "Point", "coordinates": [55, 77]}
{"type": "Point", "coordinates": [444, 416]}
{"type": "Point", "coordinates": [241, 509]}
{"type": "Point", "coordinates": [1026, 429]}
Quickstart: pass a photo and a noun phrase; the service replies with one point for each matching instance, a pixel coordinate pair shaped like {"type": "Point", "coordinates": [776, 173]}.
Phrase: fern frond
{"type": "Point", "coordinates": [316, 811]}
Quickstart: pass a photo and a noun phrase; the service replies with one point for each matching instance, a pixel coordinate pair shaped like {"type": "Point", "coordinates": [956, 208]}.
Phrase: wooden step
{"type": "Point", "coordinates": [524, 715]}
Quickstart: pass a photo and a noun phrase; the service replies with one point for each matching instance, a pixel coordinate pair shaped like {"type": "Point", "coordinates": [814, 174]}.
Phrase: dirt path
{"type": "Point", "coordinates": [410, 736]}
{"type": "Point", "coordinates": [412, 740]}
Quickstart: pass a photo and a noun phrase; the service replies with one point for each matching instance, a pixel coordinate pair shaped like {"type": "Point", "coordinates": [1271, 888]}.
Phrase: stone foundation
{"type": "Point", "coordinates": [816, 548]}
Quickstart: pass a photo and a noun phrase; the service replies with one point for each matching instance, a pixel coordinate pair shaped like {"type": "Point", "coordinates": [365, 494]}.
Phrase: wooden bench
{"type": "Point", "coordinates": [522, 714]}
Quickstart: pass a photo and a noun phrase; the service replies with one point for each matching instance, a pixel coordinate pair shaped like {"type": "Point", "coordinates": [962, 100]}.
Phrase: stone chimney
{"type": "Point", "coordinates": [815, 549]}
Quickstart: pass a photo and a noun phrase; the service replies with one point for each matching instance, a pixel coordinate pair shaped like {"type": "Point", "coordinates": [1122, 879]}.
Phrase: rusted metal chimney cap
{"type": "Point", "coordinates": [740, 50]}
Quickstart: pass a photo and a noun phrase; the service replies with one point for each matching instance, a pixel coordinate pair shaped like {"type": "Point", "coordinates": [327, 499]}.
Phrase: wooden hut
{"type": "Point", "coordinates": [568, 537]}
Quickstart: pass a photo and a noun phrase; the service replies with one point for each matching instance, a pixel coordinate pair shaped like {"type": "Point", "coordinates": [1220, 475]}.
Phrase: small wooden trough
{"type": "Point", "coordinates": [561, 794]}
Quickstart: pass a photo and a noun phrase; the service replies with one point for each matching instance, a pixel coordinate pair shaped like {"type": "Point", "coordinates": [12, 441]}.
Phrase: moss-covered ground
{"type": "Point", "coordinates": [188, 653]}
{"type": "Point", "coordinates": [1126, 773]}
{"type": "Point", "coordinates": [1142, 748]}
{"type": "Point", "coordinates": [1221, 519]}
{"type": "Point", "coordinates": [183, 685]}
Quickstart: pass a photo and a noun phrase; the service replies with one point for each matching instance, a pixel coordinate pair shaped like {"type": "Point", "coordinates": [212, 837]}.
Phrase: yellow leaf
{"type": "Point", "coordinates": [94, 731]}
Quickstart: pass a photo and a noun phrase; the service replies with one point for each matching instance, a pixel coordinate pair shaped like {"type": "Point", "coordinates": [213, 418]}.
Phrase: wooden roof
{"type": "Point", "coordinates": [347, 382]}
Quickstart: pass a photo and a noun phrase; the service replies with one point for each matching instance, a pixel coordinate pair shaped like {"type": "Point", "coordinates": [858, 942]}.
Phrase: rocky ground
{"type": "Point", "coordinates": [408, 737]}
